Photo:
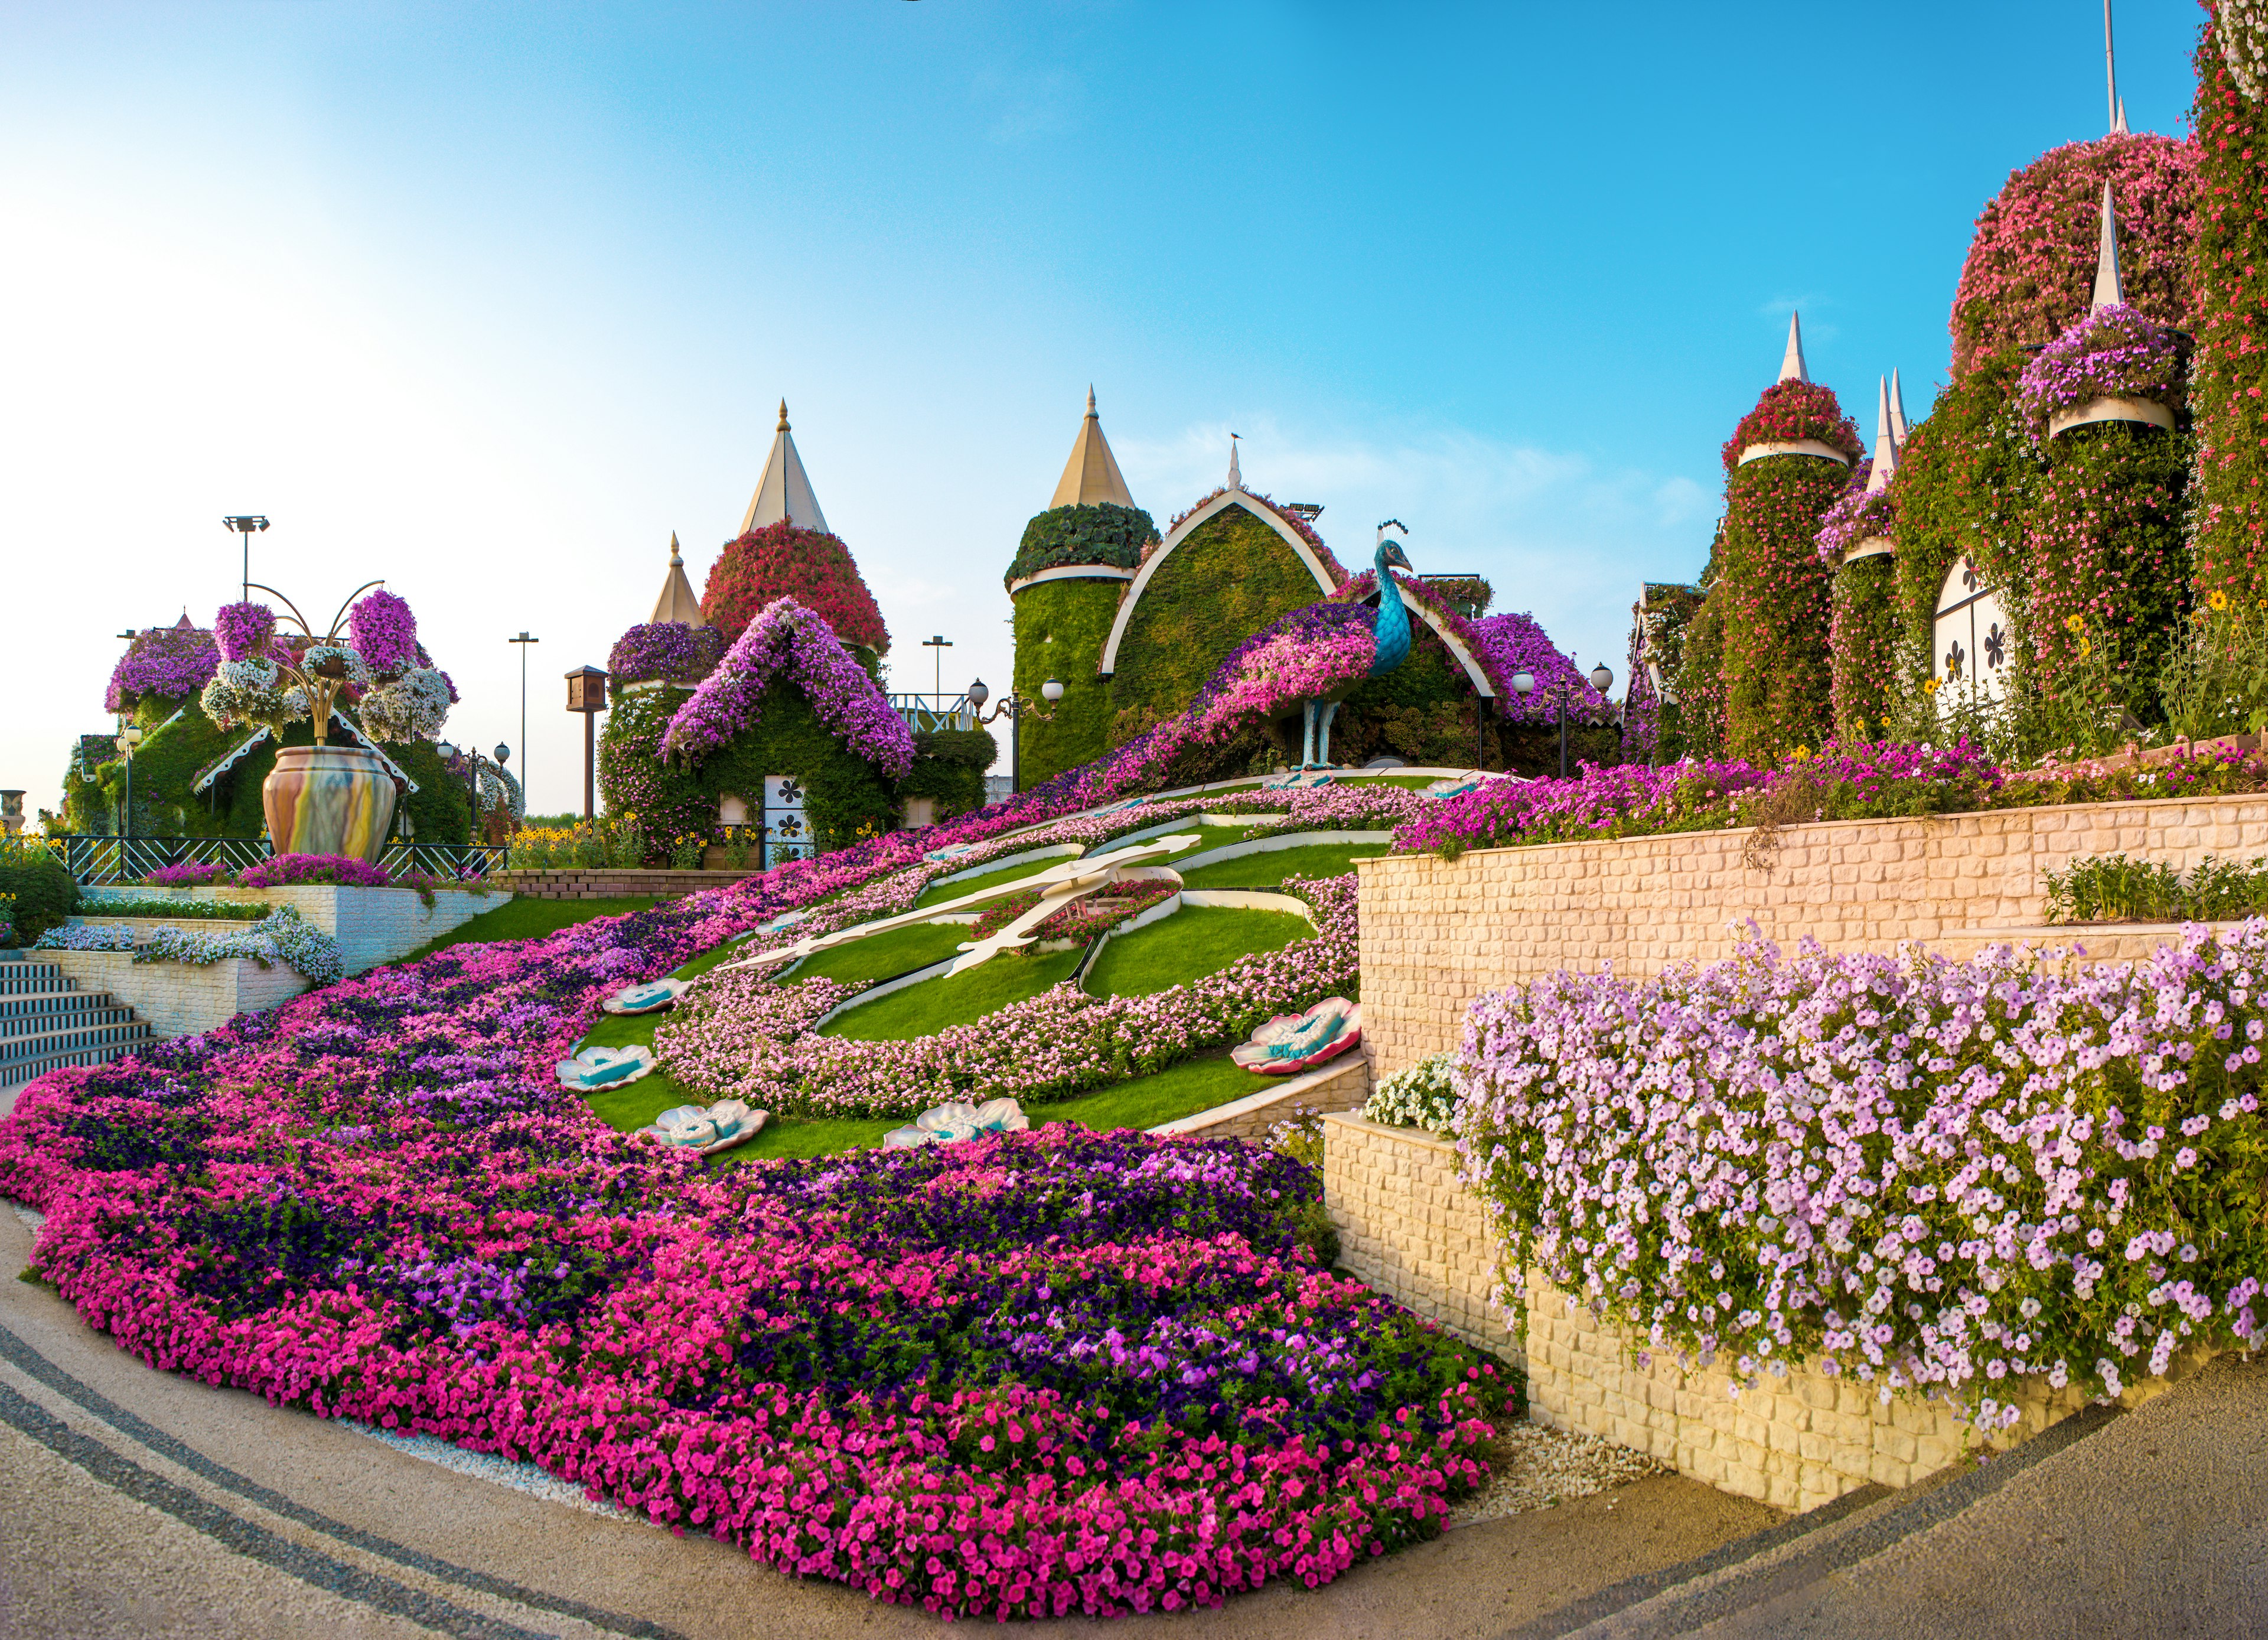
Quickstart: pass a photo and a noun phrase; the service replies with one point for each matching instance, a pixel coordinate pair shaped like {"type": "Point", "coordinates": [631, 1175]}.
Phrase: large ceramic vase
{"type": "Point", "coordinates": [328, 800]}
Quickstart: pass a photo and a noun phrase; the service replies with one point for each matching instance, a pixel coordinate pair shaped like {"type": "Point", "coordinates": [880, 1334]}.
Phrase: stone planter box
{"type": "Point", "coordinates": [181, 999]}
{"type": "Point", "coordinates": [373, 925]}
{"type": "Point", "coordinates": [1436, 933]}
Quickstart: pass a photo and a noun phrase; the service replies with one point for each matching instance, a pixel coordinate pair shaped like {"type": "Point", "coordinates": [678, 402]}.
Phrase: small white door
{"type": "Point", "coordinates": [787, 834]}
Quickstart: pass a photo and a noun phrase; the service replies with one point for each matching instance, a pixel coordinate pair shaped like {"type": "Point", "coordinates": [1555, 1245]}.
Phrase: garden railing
{"type": "Point", "coordinates": [92, 857]}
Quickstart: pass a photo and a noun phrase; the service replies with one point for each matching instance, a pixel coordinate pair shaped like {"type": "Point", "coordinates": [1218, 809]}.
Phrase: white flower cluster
{"type": "Point", "coordinates": [2242, 26]}
{"type": "Point", "coordinates": [246, 693]}
{"type": "Point", "coordinates": [1420, 1096]}
{"type": "Point", "coordinates": [412, 706]}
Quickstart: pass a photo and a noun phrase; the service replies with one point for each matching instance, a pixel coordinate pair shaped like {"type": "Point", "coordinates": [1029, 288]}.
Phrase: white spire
{"type": "Point", "coordinates": [2109, 291]}
{"type": "Point", "coordinates": [1092, 474]}
{"type": "Point", "coordinates": [1235, 473]}
{"type": "Point", "coordinates": [1886, 443]}
{"type": "Point", "coordinates": [784, 490]}
{"type": "Point", "coordinates": [1899, 428]}
{"type": "Point", "coordinates": [1790, 363]}
{"type": "Point", "coordinates": [2119, 128]}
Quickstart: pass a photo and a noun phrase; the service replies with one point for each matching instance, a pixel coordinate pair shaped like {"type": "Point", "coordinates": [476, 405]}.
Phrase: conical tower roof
{"type": "Point", "coordinates": [1886, 441]}
{"type": "Point", "coordinates": [1091, 475]}
{"type": "Point", "coordinates": [2110, 290]}
{"type": "Point", "coordinates": [1899, 426]}
{"type": "Point", "coordinates": [677, 601]}
{"type": "Point", "coordinates": [784, 490]}
{"type": "Point", "coordinates": [1791, 365]}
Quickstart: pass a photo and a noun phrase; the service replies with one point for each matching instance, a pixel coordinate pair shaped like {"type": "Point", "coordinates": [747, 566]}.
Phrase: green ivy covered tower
{"type": "Point", "coordinates": [1070, 570]}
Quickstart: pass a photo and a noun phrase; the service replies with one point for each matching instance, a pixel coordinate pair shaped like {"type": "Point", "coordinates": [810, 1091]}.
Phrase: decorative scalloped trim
{"type": "Point", "coordinates": [2149, 412]}
{"type": "Point", "coordinates": [1071, 572]}
{"type": "Point", "coordinates": [1800, 446]}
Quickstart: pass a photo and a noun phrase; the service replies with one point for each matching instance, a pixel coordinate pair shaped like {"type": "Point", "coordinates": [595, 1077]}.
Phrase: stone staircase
{"type": "Point", "coordinates": [46, 1021]}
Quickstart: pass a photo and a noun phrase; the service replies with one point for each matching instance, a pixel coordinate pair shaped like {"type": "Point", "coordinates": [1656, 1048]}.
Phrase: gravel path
{"type": "Point", "coordinates": [1535, 1467]}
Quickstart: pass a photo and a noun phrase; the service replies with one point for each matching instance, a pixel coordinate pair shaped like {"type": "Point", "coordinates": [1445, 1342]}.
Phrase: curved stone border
{"type": "Point", "coordinates": [1341, 1085]}
{"type": "Point", "coordinates": [1272, 845]}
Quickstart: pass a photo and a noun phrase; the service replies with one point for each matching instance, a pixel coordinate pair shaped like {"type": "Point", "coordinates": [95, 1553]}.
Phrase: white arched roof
{"type": "Point", "coordinates": [1182, 531]}
{"type": "Point", "coordinates": [1450, 641]}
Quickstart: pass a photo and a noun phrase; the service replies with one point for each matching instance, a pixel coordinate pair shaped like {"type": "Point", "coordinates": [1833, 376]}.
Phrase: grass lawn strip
{"type": "Point", "coordinates": [923, 1009]}
{"type": "Point", "coordinates": [525, 919]}
{"type": "Point", "coordinates": [1268, 868]}
{"type": "Point", "coordinates": [937, 893]}
{"type": "Point", "coordinates": [885, 956]}
{"type": "Point", "coordinates": [1184, 947]}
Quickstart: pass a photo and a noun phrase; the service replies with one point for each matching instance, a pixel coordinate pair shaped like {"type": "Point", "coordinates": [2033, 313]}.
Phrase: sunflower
{"type": "Point", "coordinates": [1930, 688]}
{"type": "Point", "coordinates": [2219, 601]}
{"type": "Point", "coordinates": [2074, 624]}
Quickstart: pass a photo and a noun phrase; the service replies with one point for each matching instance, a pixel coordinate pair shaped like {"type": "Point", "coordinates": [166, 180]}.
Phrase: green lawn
{"type": "Point", "coordinates": [887, 955]}
{"type": "Point", "coordinates": [1269, 868]}
{"type": "Point", "coordinates": [1192, 943]}
{"type": "Point", "coordinates": [933, 1004]}
{"type": "Point", "coordinates": [1184, 1089]}
{"type": "Point", "coordinates": [522, 918]}
{"type": "Point", "coordinates": [938, 893]}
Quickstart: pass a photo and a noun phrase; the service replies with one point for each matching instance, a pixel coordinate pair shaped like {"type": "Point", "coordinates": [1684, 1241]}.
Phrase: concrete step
{"type": "Point", "coordinates": [47, 1023]}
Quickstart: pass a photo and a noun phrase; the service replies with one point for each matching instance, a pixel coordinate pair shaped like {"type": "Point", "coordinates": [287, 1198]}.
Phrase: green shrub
{"type": "Point", "coordinates": [949, 767]}
{"type": "Point", "coordinates": [1100, 533]}
{"type": "Point", "coordinates": [2111, 888]}
{"type": "Point", "coordinates": [44, 894]}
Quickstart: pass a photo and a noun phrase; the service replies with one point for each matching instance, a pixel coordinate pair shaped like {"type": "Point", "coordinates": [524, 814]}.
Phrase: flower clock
{"type": "Point", "coordinates": [1024, 1374]}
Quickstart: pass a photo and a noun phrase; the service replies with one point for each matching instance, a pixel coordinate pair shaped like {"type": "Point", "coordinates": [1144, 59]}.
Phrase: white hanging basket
{"type": "Point", "coordinates": [2148, 411]}
{"type": "Point", "coordinates": [1872, 547]}
{"type": "Point", "coordinates": [1800, 446]}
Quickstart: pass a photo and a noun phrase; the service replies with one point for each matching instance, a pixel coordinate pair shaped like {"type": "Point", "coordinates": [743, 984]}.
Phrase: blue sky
{"type": "Point", "coordinates": [490, 299]}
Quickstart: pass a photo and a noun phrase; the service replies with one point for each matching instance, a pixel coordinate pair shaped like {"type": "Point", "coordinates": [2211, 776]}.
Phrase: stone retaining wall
{"type": "Point", "coordinates": [1410, 1228]}
{"type": "Point", "coordinates": [373, 925]}
{"type": "Point", "coordinates": [1436, 933]}
{"type": "Point", "coordinates": [181, 999]}
{"type": "Point", "coordinates": [596, 882]}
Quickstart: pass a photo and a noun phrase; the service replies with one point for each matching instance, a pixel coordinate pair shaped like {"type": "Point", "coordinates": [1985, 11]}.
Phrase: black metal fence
{"type": "Point", "coordinates": [94, 859]}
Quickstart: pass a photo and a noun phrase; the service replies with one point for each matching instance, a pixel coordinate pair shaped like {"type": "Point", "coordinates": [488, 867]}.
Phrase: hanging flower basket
{"type": "Point", "coordinates": [2113, 365]}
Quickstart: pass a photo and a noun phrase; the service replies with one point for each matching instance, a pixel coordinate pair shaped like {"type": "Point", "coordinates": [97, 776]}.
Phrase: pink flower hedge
{"type": "Point", "coordinates": [787, 642]}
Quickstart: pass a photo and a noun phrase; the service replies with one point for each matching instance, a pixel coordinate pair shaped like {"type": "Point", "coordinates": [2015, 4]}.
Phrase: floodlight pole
{"type": "Point", "coordinates": [523, 640]}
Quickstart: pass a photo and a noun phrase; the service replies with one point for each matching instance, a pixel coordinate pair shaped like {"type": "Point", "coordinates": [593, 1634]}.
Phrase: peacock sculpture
{"type": "Point", "coordinates": [1390, 630]}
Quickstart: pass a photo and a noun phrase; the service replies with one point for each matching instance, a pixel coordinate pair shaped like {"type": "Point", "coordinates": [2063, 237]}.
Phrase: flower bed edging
{"type": "Point", "coordinates": [373, 925]}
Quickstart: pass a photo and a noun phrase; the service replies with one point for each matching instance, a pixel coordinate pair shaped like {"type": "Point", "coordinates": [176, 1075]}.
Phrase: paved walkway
{"type": "Point", "coordinates": [137, 1503]}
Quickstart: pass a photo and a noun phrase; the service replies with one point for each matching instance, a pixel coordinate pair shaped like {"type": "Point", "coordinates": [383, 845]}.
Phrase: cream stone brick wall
{"type": "Point", "coordinates": [1410, 1229]}
{"type": "Point", "coordinates": [181, 998]}
{"type": "Point", "coordinates": [1436, 933]}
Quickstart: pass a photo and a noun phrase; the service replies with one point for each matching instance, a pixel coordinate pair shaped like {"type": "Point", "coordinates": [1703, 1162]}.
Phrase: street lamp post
{"type": "Point", "coordinates": [128, 738]}
{"type": "Point", "coordinates": [940, 644]}
{"type": "Point", "coordinates": [243, 524]}
{"type": "Point", "coordinates": [1523, 684]}
{"type": "Point", "coordinates": [523, 640]}
{"type": "Point", "coordinates": [1013, 707]}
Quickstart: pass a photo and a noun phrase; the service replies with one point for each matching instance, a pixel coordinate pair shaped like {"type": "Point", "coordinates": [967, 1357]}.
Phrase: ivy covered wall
{"type": "Point", "coordinates": [1060, 626]}
{"type": "Point", "coordinates": [1774, 591]}
{"type": "Point", "coordinates": [1863, 638]}
{"type": "Point", "coordinates": [2228, 379]}
{"type": "Point", "coordinates": [1228, 577]}
{"type": "Point", "coordinates": [845, 798]}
